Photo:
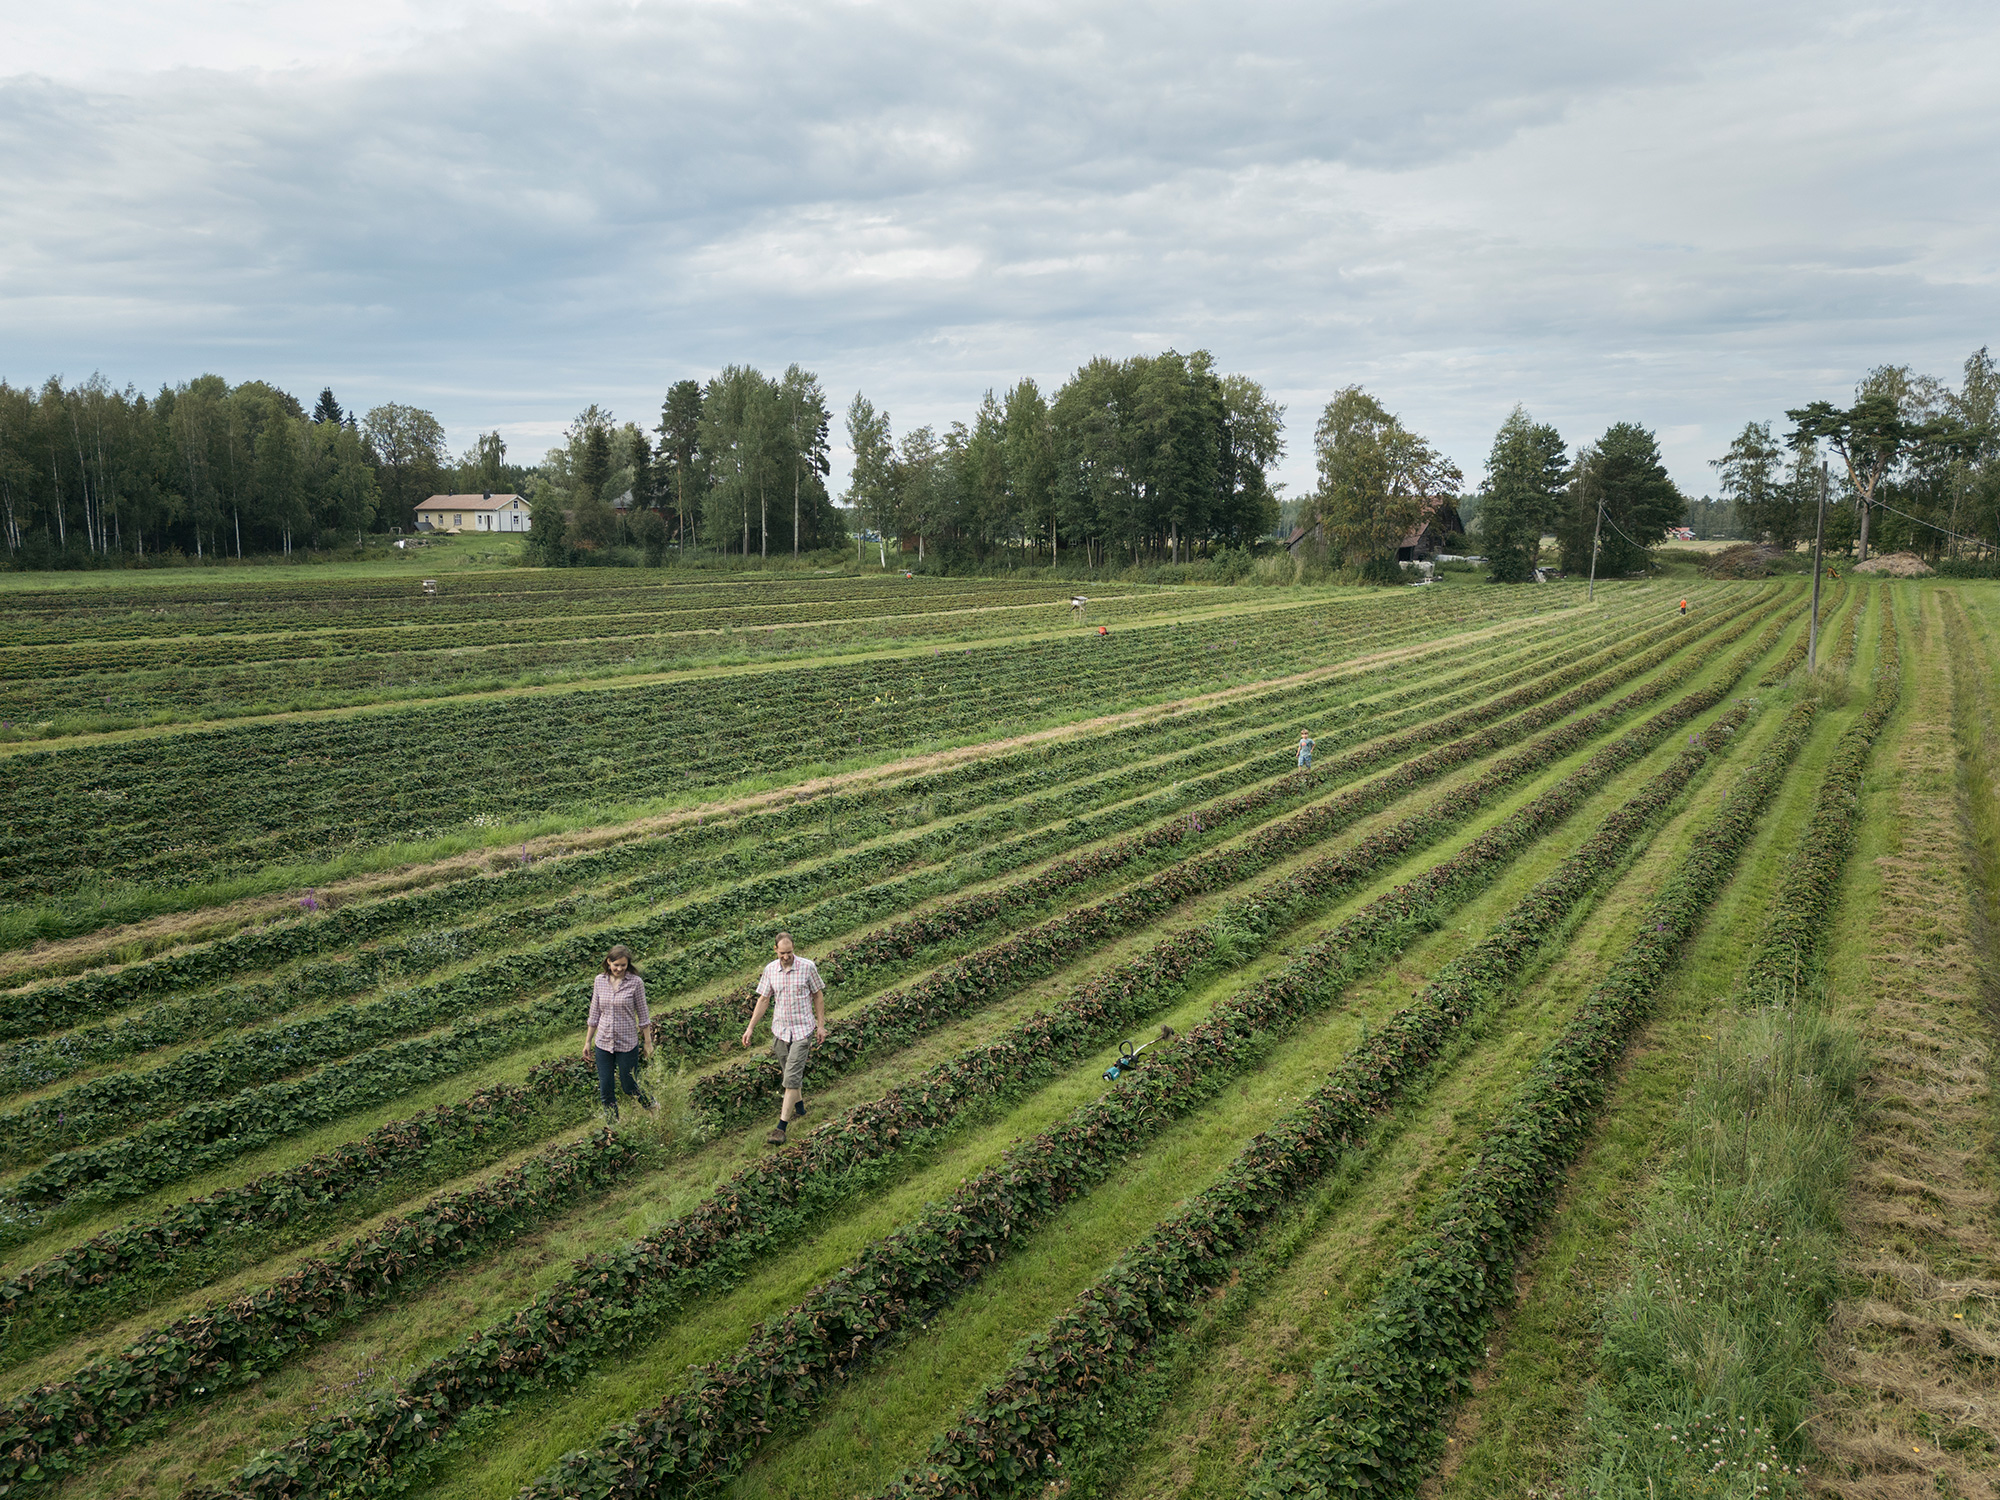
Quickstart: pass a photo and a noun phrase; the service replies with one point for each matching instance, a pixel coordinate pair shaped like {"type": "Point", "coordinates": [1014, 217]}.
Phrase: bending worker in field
{"type": "Point", "coordinates": [791, 986]}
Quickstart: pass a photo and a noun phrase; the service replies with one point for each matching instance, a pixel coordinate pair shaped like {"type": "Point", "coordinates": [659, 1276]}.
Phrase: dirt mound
{"type": "Point", "coordinates": [1750, 560]}
{"type": "Point", "coordinates": [1897, 565]}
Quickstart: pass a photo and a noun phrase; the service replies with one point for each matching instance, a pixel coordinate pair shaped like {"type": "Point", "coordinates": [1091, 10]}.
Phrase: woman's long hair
{"type": "Point", "coordinates": [620, 951]}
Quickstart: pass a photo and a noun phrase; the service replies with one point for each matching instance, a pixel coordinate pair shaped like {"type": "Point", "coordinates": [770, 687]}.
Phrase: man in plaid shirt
{"type": "Point", "coordinates": [791, 986]}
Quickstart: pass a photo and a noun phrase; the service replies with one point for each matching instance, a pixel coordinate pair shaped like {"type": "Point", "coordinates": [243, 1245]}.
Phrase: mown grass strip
{"type": "Point", "coordinates": [1371, 1417]}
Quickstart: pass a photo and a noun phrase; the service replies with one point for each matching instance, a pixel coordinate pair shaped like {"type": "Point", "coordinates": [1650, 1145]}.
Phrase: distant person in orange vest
{"type": "Point", "coordinates": [1684, 606]}
{"type": "Point", "coordinates": [1102, 630]}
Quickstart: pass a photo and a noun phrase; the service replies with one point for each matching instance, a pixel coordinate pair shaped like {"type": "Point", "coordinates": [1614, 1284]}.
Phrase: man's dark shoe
{"type": "Point", "coordinates": [777, 1137]}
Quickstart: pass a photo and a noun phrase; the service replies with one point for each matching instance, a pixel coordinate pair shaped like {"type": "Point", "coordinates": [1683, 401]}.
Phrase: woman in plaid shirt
{"type": "Point", "coordinates": [619, 1025]}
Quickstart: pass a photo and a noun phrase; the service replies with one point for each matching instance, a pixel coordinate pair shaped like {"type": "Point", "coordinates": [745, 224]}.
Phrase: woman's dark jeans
{"type": "Point", "coordinates": [626, 1066]}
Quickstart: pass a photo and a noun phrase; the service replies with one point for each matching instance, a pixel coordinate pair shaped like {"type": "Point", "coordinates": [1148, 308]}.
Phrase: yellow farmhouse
{"type": "Point", "coordinates": [488, 512]}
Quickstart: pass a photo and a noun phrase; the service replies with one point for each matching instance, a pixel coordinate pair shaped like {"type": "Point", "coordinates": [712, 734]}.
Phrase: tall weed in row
{"type": "Point", "coordinates": [1709, 1359]}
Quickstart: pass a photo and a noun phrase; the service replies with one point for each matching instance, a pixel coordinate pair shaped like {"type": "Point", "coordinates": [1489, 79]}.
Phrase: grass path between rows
{"type": "Point", "coordinates": [444, 1314]}
{"type": "Point", "coordinates": [213, 908]}
{"type": "Point", "coordinates": [1520, 1429]}
{"type": "Point", "coordinates": [1909, 1405]}
{"type": "Point", "coordinates": [1234, 1376]}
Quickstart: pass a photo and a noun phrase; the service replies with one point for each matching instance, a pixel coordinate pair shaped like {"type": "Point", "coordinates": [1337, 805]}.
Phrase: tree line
{"type": "Point", "coordinates": [1911, 464]}
{"type": "Point", "coordinates": [210, 470]}
{"type": "Point", "coordinates": [1153, 458]}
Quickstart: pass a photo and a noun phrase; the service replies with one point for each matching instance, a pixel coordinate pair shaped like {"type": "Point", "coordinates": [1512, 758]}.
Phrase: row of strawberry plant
{"type": "Point", "coordinates": [898, 1019]}
{"type": "Point", "coordinates": [1792, 659]}
{"type": "Point", "coordinates": [538, 638]}
{"type": "Point", "coordinates": [1171, 961]}
{"type": "Point", "coordinates": [94, 701]}
{"type": "Point", "coordinates": [54, 1429]}
{"type": "Point", "coordinates": [407, 609]}
{"type": "Point", "coordinates": [93, 994]}
{"type": "Point", "coordinates": [37, 1063]}
{"type": "Point", "coordinates": [60, 1003]}
{"type": "Point", "coordinates": [211, 801]}
{"type": "Point", "coordinates": [608, 1301]}
{"type": "Point", "coordinates": [1371, 1415]}
{"type": "Point", "coordinates": [93, 1110]}
{"type": "Point", "coordinates": [1012, 1438]}
{"type": "Point", "coordinates": [1733, 1243]}
{"type": "Point", "coordinates": [1794, 934]}
{"type": "Point", "coordinates": [206, 1134]}
{"type": "Point", "coordinates": [407, 620]}
{"type": "Point", "coordinates": [703, 1434]}
{"type": "Point", "coordinates": [144, 1259]}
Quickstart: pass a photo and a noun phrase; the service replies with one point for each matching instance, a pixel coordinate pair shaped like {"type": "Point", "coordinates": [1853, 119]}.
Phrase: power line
{"type": "Point", "coordinates": [1956, 536]}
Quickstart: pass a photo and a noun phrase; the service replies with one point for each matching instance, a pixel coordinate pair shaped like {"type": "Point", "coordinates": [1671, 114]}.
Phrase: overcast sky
{"type": "Point", "coordinates": [1685, 215]}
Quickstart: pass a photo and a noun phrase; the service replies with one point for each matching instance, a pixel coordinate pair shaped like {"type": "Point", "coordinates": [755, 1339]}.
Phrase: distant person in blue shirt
{"type": "Point", "coordinates": [1305, 750]}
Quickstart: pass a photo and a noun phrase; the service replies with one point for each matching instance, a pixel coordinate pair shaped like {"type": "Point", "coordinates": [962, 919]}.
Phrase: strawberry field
{"type": "Point", "coordinates": [305, 1189]}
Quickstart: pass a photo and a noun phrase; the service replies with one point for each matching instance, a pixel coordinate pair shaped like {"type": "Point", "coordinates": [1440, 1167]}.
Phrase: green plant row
{"type": "Point", "coordinates": [112, 1270]}
{"type": "Point", "coordinates": [896, 1020]}
{"type": "Point", "coordinates": [1011, 1439]}
{"type": "Point", "coordinates": [705, 1433]}
{"type": "Point", "coordinates": [609, 1300]}
{"type": "Point", "coordinates": [1710, 1357]}
{"type": "Point", "coordinates": [58, 1428]}
{"type": "Point", "coordinates": [343, 657]}
{"type": "Point", "coordinates": [208, 802]}
{"type": "Point", "coordinates": [1791, 660]}
{"type": "Point", "coordinates": [945, 790]}
{"type": "Point", "coordinates": [406, 609]}
{"type": "Point", "coordinates": [1372, 1413]}
{"type": "Point", "coordinates": [98, 701]}
{"type": "Point", "coordinates": [155, 1250]}
{"type": "Point", "coordinates": [94, 1110]}
{"type": "Point", "coordinates": [66, 1001]}
{"type": "Point", "coordinates": [210, 1129]}
{"type": "Point", "coordinates": [1789, 947]}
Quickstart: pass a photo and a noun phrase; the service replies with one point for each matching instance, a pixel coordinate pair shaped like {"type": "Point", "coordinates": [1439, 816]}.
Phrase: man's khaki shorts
{"type": "Point", "coordinates": [792, 1057]}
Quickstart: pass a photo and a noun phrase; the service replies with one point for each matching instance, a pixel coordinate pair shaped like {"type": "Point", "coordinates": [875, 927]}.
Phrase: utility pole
{"type": "Point", "coordinates": [1819, 538]}
{"type": "Point", "coordinates": [1595, 531]}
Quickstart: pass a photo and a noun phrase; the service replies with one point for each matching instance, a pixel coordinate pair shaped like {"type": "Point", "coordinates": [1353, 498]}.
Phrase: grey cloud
{"type": "Point", "coordinates": [1675, 214]}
